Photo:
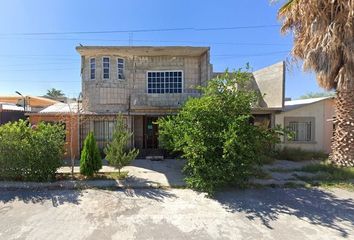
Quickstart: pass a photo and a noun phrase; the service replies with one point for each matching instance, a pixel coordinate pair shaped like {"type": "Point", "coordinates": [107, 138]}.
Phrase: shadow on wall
{"type": "Point", "coordinates": [58, 197]}
{"type": "Point", "coordinates": [311, 205]}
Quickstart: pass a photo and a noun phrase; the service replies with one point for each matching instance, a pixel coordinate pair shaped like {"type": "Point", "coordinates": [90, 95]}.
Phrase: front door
{"type": "Point", "coordinates": [151, 132]}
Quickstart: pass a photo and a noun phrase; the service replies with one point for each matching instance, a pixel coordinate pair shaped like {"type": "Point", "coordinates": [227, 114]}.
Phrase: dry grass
{"type": "Point", "coordinates": [296, 154]}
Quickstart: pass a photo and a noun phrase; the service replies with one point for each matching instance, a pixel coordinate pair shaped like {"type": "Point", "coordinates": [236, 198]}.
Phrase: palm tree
{"type": "Point", "coordinates": [54, 93]}
{"type": "Point", "coordinates": [324, 39]}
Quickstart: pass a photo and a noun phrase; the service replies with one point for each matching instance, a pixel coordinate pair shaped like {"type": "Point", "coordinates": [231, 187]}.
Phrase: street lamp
{"type": "Point", "coordinates": [24, 100]}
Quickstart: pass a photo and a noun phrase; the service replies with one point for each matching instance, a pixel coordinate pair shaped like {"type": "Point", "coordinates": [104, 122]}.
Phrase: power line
{"type": "Point", "coordinates": [157, 41]}
{"type": "Point", "coordinates": [141, 30]}
{"type": "Point", "coordinates": [37, 70]}
{"type": "Point", "coordinates": [44, 81]}
{"type": "Point", "coordinates": [77, 59]}
{"type": "Point", "coordinates": [36, 64]}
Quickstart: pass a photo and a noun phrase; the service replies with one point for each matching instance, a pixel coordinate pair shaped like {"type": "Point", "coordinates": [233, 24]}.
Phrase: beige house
{"type": "Point", "coordinates": [311, 120]}
{"type": "Point", "coordinates": [144, 83]}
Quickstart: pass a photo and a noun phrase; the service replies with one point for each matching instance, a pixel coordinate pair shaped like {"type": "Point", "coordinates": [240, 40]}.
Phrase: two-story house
{"type": "Point", "coordinates": [143, 83]}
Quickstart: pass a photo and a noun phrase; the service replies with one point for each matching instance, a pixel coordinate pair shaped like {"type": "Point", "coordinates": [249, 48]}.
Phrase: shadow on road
{"type": "Point", "coordinates": [154, 194]}
{"type": "Point", "coordinates": [312, 205]}
{"type": "Point", "coordinates": [141, 187]}
{"type": "Point", "coordinates": [57, 197]}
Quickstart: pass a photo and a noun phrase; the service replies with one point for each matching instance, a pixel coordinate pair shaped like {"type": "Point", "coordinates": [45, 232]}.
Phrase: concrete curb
{"type": "Point", "coordinates": [120, 184]}
{"type": "Point", "coordinates": [83, 184]}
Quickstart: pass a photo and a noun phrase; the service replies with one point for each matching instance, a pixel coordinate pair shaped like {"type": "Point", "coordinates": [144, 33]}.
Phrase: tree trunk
{"type": "Point", "coordinates": [343, 139]}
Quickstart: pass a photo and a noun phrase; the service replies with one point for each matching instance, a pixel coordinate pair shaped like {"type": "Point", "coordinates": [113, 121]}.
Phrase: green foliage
{"type": "Point", "coordinates": [297, 154]}
{"type": "Point", "coordinates": [317, 95]}
{"type": "Point", "coordinates": [30, 152]}
{"type": "Point", "coordinates": [90, 162]}
{"type": "Point", "coordinates": [54, 93]}
{"type": "Point", "coordinates": [328, 175]}
{"type": "Point", "coordinates": [117, 153]}
{"type": "Point", "coordinates": [329, 172]}
{"type": "Point", "coordinates": [214, 134]}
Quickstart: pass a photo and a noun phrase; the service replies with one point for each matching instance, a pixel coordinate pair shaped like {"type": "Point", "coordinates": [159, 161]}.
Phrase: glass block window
{"type": "Point", "coordinates": [164, 81]}
{"type": "Point", "coordinates": [92, 68]}
{"type": "Point", "coordinates": [120, 68]}
{"type": "Point", "coordinates": [105, 67]}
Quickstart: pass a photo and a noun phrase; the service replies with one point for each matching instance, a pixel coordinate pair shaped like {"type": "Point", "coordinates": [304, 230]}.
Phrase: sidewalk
{"type": "Point", "coordinates": [163, 174]}
{"type": "Point", "coordinates": [141, 174]}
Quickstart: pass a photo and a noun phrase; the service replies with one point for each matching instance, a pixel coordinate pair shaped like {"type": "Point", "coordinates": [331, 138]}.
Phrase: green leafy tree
{"type": "Point", "coordinates": [90, 162]}
{"type": "Point", "coordinates": [30, 152]}
{"type": "Point", "coordinates": [54, 93]}
{"type": "Point", "coordinates": [213, 133]}
{"type": "Point", "coordinates": [317, 95]}
{"type": "Point", "coordinates": [117, 152]}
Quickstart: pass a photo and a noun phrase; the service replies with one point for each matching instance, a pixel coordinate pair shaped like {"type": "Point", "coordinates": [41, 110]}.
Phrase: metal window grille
{"type": "Point", "coordinates": [302, 131]}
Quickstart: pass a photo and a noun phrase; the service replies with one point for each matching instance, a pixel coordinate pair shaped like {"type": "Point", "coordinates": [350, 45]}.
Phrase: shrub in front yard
{"type": "Point", "coordinates": [91, 161]}
{"type": "Point", "coordinates": [117, 152]}
{"type": "Point", "coordinates": [215, 136]}
{"type": "Point", "coordinates": [30, 152]}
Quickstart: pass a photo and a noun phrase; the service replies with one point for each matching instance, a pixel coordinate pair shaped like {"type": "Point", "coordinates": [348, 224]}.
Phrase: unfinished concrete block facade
{"type": "Point", "coordinates": [142, 83]}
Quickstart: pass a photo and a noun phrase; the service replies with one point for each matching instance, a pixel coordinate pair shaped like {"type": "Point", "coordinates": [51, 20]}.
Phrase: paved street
{"type": "Point", "coordinates": [177, 214]}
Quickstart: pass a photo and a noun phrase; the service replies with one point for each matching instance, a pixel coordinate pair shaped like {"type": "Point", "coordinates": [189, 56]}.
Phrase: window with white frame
{"type": "Point", "coordinates": [303, 128]}
{"type": "Point", "coordinates": [92, 68]}
{"type": "Point", "coordinates": [105, 67]}
{"type": "Point", "coordinates": [164, 81]}
{"type": "Point", "coordinates": [120, 68]}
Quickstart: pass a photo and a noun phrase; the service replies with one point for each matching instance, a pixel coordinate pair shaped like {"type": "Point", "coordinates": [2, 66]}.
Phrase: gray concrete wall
{"type": "Point", "coordinates": [270, 81]}
{"type": "Point", "coordinates": [323, 126]}
{"type": "Point", "coordinates": [113, 95]}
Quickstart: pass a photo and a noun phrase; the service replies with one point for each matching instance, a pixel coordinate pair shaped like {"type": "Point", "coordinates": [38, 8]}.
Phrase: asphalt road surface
{"type": "Point", "coordinates": [177, 214]}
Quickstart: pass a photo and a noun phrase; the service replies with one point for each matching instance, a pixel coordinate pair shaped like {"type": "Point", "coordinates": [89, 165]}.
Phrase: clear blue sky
{"type": "Point", "coordinates": [32, 64]}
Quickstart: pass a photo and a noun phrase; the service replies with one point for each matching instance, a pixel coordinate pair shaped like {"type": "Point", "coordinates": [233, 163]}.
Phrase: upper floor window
{"type": "Point", "coordinates": [164, 81]}
{"type": "Point", "coordinates": [105, 67]}
{"type": "Point", "coordinates": [120, 68]}
{"type": "Point", "coordinates": [92, 68]}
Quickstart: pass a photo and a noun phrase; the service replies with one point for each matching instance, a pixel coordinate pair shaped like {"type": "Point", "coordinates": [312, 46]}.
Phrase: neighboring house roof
{"type": "Point", "coordinates": [270, 82]}
{"type": "Point", "coordinates": [33, 101]}
{"type": "Point", "coordinates": [58, 99]}
{"type": "Point", "coordinates": [10, 107]}
{"type": "Point", "coordinates": [294, 104]}
{"type": "Point", "coordinates": [62, 108]}
{"type": "Point", "coordinates": [144, 50]}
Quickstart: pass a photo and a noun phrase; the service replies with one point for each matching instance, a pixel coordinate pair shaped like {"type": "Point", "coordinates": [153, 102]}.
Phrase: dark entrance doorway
{"type": "Point", "coordinates": [151, 133]}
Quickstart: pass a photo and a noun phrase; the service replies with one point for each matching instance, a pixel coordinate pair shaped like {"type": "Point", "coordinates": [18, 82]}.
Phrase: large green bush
{"type": "Point", "coordinates": [90, 162]}
{"type": "Point", "coordinates": [215, 136]}
{"type": "Point", "coordinates": [30, 152]}
{"type": "Point", "coordinates": [117, 152]}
